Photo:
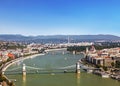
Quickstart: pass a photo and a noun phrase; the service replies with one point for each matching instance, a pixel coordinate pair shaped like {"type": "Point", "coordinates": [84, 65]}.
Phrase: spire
{"type": "Point", "coordinates": [68, 39]}
{"type": "Point", "coordinates": [87, 50]}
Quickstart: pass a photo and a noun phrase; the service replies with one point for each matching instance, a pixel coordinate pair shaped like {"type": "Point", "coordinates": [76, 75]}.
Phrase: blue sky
{"type": "Point", "coordinates": [60, 17]}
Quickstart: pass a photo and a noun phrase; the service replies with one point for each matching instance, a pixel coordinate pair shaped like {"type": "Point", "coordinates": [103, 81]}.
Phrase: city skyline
{"type": "Point", "coordinates": [59, 17]}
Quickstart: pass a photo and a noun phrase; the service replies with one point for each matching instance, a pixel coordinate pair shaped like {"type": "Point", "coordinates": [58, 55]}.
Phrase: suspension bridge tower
{"type": "Point", "coordinates": [78, 68]}
{"type": "Point", "coordinates": [24, 70]}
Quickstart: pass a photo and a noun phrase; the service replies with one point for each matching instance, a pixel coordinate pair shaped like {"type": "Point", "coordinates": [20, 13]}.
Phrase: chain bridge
{"type": "Point", "coordinates": [25, 69]}
{"type": "Point", "coordinates": [36, 70]}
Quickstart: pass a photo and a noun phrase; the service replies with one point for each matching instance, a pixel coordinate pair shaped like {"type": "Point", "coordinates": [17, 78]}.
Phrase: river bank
{"type": "Point", "coordinates": [100, 71]}
{"type": "Point", "coordinates": [8, 64]}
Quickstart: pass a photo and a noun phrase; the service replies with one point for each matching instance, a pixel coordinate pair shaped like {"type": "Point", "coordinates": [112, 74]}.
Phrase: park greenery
{"type": "Point", "coordinates": [117, 65]}
{"type": "Point", "coordinates": [97, 46]}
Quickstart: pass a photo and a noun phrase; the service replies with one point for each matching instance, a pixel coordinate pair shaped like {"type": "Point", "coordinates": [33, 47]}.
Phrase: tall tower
{"type": "Point", "coordinates": [68, 39]}
{"type": "Point", "coordinates": [77, 67]}
{"type": "Point", "coordinates": [24, 70]}
{"type": "Point", "coordinates": [87, 50]}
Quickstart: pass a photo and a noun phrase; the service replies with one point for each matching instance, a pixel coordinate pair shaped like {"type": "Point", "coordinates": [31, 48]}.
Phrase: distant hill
{"type": "Point", "coordinates": [13, 37]}
{"type": "Point", "coordinates": [57, 38]}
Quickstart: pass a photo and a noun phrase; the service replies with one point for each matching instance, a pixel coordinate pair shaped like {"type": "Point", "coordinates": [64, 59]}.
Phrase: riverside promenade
{"type": "Point", "coordinates": [8, 64]}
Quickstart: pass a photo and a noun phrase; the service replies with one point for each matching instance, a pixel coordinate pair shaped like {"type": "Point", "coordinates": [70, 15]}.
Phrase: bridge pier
{"type": "Point", "coordinates": [78, 68]}
{"type": "Point", "coordinates": [74, 52]}
{"type": "Point", "coordinates": [24, 70]}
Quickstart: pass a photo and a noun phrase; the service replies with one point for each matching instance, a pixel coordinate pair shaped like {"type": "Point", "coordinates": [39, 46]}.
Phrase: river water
{"type": "Point", "coordinates": [54, 60]}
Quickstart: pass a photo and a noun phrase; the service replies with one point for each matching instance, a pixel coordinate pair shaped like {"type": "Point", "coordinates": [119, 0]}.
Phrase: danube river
{"type": "Point", "coordinates": [54, 60]}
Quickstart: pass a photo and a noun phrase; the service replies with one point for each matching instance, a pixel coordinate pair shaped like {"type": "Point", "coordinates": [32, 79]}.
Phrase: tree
{"type": "Point", "coordinates": [117, 65]}
{"type": "Point", "coordinates": [105, 68]}
{"type": "Point", "coordinates": [112, 64]}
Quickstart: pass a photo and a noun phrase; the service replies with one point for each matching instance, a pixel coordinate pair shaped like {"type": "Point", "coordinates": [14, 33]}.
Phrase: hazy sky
{"type": "Point", "coordinates": [51, 17]}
